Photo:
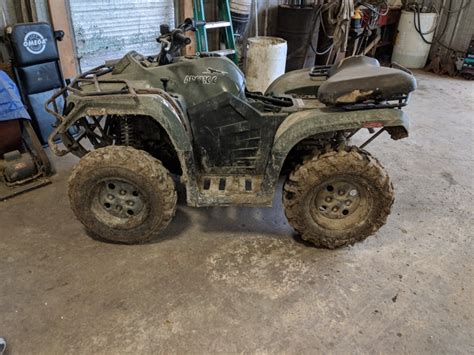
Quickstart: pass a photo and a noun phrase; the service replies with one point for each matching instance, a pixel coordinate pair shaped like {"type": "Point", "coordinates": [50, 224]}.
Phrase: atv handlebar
{"type": "Point", "coordinates": [174, 40]}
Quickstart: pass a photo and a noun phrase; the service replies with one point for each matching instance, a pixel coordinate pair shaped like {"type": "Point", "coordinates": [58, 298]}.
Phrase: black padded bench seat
{"type": "Point", "coordinates": [357, 79]}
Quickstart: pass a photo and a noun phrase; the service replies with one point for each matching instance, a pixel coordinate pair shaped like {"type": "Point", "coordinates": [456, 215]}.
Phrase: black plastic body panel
{"type": "Point", "coordinates": [230, 136]}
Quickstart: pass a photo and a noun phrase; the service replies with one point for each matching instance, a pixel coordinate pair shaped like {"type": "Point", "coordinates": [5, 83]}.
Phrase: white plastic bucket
{"type": "Point", "coordinates": [266, 60]}
{"type": "Point", "coordinates": [410, 50]}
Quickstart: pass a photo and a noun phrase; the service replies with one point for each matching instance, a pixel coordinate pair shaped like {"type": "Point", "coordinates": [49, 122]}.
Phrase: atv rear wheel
{"type": "Point", "coordinates": [338, 198]}
{"type": "Point", "coordinates": [122, 194]}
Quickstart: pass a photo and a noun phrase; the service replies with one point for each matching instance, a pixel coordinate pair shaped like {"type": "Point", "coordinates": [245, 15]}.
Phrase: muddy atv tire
{"type": "Point", "coordinates": [122, 194]}
{"type": "Point", "coordinates": [338, 197]}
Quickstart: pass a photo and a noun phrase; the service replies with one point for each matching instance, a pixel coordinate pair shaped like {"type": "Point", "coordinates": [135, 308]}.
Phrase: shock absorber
{"type": "Point", "coordinates": [126, 131]}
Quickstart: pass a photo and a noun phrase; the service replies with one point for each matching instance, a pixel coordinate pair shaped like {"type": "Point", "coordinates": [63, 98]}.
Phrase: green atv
{"type": "Point", "coordinates": [145, 118]}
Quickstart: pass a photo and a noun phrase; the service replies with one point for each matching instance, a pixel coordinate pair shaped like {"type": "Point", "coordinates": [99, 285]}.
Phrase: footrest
{"type": "Point", "coordinates": [231, 190]}
{"type": "Point", "coordinates": [230, 184]}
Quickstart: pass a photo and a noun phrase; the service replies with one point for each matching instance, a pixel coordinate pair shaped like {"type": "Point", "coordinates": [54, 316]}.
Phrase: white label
{"type": "Point", "coordinates": [34, 42]}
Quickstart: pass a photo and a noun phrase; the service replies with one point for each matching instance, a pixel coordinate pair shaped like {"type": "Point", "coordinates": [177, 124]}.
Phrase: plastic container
{"type": "Point", "coordinates": [266, 59]}
{"type": "Point", "coordinates": [240, 14]}
{"type": "Point", "coordinates": [410, 50]}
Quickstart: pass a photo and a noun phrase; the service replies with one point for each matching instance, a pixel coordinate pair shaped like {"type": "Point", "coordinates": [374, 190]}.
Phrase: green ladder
{"type": "Point", "coordinates": [224, 22]}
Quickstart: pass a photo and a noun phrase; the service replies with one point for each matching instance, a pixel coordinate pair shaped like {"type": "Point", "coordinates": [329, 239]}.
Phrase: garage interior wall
{"type": "Point", "coordinates": [267, 22]}
{"type": "Point", "coordinates": [134, 28]}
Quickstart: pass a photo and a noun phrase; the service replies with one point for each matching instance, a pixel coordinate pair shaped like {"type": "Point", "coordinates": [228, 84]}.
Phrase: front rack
{"type": "Point", "coordinates": [91, 127]}
{"type": "Point", "coordinates": [88, 78]}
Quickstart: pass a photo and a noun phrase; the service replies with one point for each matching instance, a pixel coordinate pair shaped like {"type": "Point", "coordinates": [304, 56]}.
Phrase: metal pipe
{"type": "Point", "coordinates": [380, 131]}
{"type": "Point", "coordinates": [372, 44]}
{"type": "Point", "coordinates": [456, 25]}
{"type": "Point", "coordinates": [256, 18]}
{"type": "Point", "coordinates": [267, 4]}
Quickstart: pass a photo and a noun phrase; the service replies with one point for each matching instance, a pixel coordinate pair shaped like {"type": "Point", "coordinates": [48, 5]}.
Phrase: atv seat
{"type": "Point", "coordinates": [358, 79]}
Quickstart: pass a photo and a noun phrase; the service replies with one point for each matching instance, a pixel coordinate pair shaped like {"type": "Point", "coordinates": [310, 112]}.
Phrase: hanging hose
{"type": "Point", "coordinates": [436, 40]}
{"type": "Point", "coordinates": [321, 21]}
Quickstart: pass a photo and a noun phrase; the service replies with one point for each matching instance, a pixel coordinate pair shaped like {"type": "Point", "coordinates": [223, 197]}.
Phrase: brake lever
{"type": "Point", "coordinates": [164, 41]}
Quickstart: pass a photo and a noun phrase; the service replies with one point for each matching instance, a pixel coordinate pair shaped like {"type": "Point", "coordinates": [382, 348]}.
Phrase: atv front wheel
{"type": "Point", "coordinates": [122, 194]}
{"type": "Point", "coordinates": [338, 198]}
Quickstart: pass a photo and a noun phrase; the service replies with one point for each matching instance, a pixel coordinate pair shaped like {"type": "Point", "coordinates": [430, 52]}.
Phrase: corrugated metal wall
{"type": "Point", "coordinates": [107, 29]}
{"type": "Point", "coordinates": [459, 29]}
{"type": "Point", "coordinates": [465, 29]}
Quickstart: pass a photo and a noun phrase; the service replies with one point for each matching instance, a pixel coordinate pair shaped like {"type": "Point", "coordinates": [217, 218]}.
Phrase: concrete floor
{"type": "Point", "coordinates": [237, 280]}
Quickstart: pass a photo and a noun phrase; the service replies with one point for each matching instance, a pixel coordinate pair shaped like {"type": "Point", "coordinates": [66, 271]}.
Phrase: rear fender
{"type": "Point", "coordinates": [297, 82]}
{"type": "Point", "coordinates": [304, 124]}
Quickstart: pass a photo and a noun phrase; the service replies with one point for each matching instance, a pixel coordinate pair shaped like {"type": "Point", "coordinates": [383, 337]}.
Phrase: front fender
{"type": "Point", "coordinates": [166, 113]}
{"type": "Point", "coordinates": [304, 124]}
{"type": "Point", "coordinates": [157, 105]}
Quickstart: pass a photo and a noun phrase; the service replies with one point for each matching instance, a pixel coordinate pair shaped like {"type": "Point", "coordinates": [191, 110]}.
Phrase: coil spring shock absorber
{"type": "Point", "coordinates": [126, 131]}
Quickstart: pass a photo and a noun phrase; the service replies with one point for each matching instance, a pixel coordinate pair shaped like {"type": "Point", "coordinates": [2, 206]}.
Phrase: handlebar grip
{"type": "Point", "coordinates": [182, 38]}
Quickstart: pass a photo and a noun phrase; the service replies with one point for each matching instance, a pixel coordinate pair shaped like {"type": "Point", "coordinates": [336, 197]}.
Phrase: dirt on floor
{"type": "Point", "coordinates": [239, 280]}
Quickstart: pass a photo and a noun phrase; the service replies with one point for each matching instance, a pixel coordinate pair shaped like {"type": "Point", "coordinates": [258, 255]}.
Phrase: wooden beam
{"type": "Point", "coordinates": [185, 8]}
{"type": "Point", "coordinates": [33, 12]}
{"type": "Point", "coordinates": [60, 19]}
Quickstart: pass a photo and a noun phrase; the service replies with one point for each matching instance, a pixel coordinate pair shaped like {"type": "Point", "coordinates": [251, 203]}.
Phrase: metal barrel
{"type": "Point", "coordinates": [299, 27]}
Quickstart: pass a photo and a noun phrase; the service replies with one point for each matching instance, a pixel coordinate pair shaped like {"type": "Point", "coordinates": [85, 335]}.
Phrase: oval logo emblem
{"type": "Point", "coordinates": [34, 42]}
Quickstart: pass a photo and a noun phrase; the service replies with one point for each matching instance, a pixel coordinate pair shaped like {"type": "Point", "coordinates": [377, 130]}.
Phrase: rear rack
{"type": "Point", "coordinates": [320, 70]}
{"type": "Point", "coordinates": [393, 102]}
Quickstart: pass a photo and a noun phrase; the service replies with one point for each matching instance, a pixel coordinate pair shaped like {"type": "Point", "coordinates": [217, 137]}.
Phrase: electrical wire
{"type": "Point", "coordinates": [330, 47]}
{"type": "Point", "coordinates": [416, 16]}
{"type": "Point", "coordinates": [417, 23]}
{"type": "Point", "coordinates": [443, 32]}
{"type": "Point", "coordinates": [375, 10]}
{"type": "Point", "coordinates": [462, 7]}
{"type": "Point", "coordinates": [370, 21]}
{"type": "Point", "coordinates": [322, 25]}
{"type": "Point", "coordinates": [324, 51]}
{"type": "Point", "coordinates": [435, 25]}
{"type": "Point", "coordinates": [315, 22]}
